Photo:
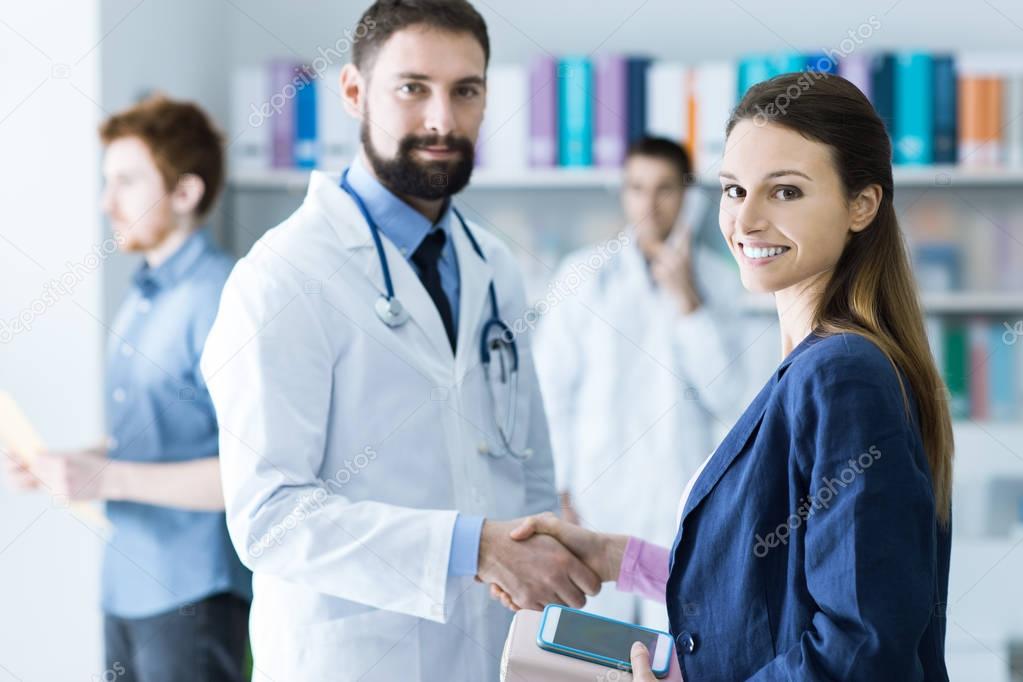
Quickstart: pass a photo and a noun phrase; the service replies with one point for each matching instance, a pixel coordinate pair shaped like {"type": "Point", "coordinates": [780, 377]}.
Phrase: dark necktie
{"type": "Point", "coordinates": [427, 258]}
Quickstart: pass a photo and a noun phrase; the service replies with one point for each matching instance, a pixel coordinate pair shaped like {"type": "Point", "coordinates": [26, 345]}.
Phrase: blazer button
{"type": "Point", "coordinates": [686, 642]}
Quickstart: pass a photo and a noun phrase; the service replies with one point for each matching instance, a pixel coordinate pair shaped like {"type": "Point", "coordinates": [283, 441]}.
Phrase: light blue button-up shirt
{"type": "Point", "coordinates": [158, 410]}
{"type": "Point", "coordinates": [406, 228]}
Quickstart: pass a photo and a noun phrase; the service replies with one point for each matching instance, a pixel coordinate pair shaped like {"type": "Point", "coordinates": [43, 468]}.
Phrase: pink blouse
{"type": "Point", "coordinates": [645, 566]}
{"type": "Point", "coordinates": [644, 570]}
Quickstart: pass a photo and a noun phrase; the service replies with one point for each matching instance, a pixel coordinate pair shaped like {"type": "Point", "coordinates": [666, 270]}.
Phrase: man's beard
{"type": "Point", "coordinates": [406, 176]}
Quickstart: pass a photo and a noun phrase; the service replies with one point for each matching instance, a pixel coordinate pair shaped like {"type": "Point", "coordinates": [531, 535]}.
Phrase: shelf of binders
{"type": "Point", "coordinates": [560, 178]}
{"type": "Point", "coordinates": [528, 178]}
{"type": "Point", "coordinates": [946, 303]}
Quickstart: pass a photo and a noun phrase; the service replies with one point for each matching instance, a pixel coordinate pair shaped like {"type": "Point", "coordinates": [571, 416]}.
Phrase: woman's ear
{"type": "Point", "coordinates": [863, 207]}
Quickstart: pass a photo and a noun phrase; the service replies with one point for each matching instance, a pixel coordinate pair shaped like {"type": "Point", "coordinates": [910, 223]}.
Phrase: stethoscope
{"type": "Point", "coordinates": [392, 313]}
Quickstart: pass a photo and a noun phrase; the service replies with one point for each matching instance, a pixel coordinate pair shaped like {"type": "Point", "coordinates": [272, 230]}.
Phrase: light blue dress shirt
{"type": "Point", "coordinates": [158, 410]}
{"type": "Point", "coordinates": [406, 228]}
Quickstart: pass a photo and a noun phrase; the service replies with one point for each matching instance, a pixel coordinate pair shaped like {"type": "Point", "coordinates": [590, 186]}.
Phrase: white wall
{"type": "Point", "coordinates": [49, 619]}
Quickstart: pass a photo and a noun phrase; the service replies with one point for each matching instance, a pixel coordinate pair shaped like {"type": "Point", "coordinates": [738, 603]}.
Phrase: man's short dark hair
{"type": "Point", "coordinates": [665, 149]}
{"type": "Point", "coordinates": [386, 17]}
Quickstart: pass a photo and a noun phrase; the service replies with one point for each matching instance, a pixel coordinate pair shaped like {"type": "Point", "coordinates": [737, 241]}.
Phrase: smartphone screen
{"type": "Point", "coordinates": [613, 640]}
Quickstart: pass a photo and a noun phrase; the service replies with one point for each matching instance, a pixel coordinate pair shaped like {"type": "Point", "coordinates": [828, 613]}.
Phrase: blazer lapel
{"type": "Point", "coordinates": [736, 440]}
{"type": "Point", "coordinates": [730, 447]}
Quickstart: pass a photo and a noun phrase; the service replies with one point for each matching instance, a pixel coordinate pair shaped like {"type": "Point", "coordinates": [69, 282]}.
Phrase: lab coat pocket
{"type": "Point", "coordinates": [369, 646]}
{"type": "Point", "coordinates": [509, 405]}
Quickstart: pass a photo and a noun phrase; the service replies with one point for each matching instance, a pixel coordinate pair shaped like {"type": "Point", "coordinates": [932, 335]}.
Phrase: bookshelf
{"type": "Point", "coordinates": [527, 178]}
{"type": "Point", "coordinates": [609, 178]}
{"type": "Point", "coordinates": [947, 303]}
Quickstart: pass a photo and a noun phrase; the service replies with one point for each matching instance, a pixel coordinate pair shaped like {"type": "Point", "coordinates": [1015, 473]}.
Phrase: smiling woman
{"type": "Point", "coordinates": [819, 209]}
{"type": "Point", "coordinates": [852, 578]}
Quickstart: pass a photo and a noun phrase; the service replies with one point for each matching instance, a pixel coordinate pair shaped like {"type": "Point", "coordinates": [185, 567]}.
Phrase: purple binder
{"type": "Point", "coordinates": [610, 111]}
{"type": "Point", "coordinates": [856, 69]}
{"type": "Point", "coordinates": [282, 112]}
{"type": "Point", "coordinates": [543, 112]}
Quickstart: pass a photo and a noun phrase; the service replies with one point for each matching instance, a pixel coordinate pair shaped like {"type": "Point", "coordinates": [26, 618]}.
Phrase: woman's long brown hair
{"type": "Point", "coordinates": [872, 291]}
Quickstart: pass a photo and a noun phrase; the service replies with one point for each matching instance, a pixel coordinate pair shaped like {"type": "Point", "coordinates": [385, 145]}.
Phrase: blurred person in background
{"type": "Point", "coordinates": [175, 597]}
{"type": "Point", "coordinates": [640, 367]}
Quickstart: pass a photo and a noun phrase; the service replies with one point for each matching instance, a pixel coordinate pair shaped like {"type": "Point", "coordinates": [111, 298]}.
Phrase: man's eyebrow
{"type": "Point", "coordinates": [772, 174]}
{"type": "Point", "coordinates": [414, 76]}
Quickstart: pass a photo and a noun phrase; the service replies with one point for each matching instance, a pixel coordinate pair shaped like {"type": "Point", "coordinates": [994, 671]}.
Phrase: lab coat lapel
{"type": "Point", "coordinates": [410, 291]}
{"type": "Point", "coordinates": [351, 228]}
{"type": "Point", "coordinates": [637, 274]}
{"type": "Point", "coordinates": [475, 275]}
{"type": "Point", "coordinates": [333, 203]}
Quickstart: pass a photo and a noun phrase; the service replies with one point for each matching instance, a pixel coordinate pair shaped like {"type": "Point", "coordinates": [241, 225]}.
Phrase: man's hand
{"type": "Point", "coordinates": [672, 269]}
{"type": "Point", "coordinates": [77, 475]}
{"type": "Point", "coordinates": [17, 473]}
{"type": "Point", "coordinates": [535, 571]}
{"type": "Point", "coordinates": [602, 552]}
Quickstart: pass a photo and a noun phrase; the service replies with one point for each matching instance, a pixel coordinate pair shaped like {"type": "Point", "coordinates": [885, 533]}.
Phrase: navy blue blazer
{"type": "Point", "coordinates": [809, 548]}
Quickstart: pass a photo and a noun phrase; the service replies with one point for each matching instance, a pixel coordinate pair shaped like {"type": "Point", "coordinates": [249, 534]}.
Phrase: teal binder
{"type": "Point", "coordinates": [575, 112]}
{"type": "Point", "coordinates": [914, 106]}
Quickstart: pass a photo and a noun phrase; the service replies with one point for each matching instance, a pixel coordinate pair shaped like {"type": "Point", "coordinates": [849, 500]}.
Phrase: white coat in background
{"type": "Point", "coordinates": [637, 395]}
{"type": "Point", "coordinates": [347, 446]}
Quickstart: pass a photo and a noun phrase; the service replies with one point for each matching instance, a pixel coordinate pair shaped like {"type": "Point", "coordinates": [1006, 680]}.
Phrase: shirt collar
{"type": "Point", "coordinates": [164, 276]}
{"type": "Point", "coordinates": [403, 225]}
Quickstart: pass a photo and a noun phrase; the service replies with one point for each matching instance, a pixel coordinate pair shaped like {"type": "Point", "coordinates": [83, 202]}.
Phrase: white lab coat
{"type": "Point", "coordinates": [637, 395]}
{"type": "Point", "coordinates": [347, 447]}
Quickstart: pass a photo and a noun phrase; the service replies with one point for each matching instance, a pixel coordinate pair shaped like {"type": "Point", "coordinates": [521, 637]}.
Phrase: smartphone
{"type": "Point", "coordinates": [601, 640]}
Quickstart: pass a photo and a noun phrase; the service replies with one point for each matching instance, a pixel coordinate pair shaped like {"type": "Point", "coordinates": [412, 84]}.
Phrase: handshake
{"type": "Point", "coordinates": [541, 559]}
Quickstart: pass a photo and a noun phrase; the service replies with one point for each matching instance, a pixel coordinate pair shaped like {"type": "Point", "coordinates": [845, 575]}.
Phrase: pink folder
{"type": "Point", "coordinates": [524, 661]}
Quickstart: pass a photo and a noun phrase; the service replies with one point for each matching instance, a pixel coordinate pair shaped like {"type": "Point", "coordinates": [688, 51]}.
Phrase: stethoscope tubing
{"type": "Point", "coordinates": [505, 336]}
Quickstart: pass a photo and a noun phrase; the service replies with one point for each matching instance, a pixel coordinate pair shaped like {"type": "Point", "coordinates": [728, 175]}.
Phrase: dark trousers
{"type": "Point", "coordinates": [205, 642]}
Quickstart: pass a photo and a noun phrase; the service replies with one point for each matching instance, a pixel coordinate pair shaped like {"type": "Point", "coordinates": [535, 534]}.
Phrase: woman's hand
{"type": "Point", "coordinates": [601, 552]}
{"type": "Point", "coordinates": [643, 672]}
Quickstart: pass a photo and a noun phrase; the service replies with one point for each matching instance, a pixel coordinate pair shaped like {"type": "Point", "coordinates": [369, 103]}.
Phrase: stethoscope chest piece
{"type": "Point", "coordinates": [390, 311]}
{"type": "Point", "coordinates": [485, 449]}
